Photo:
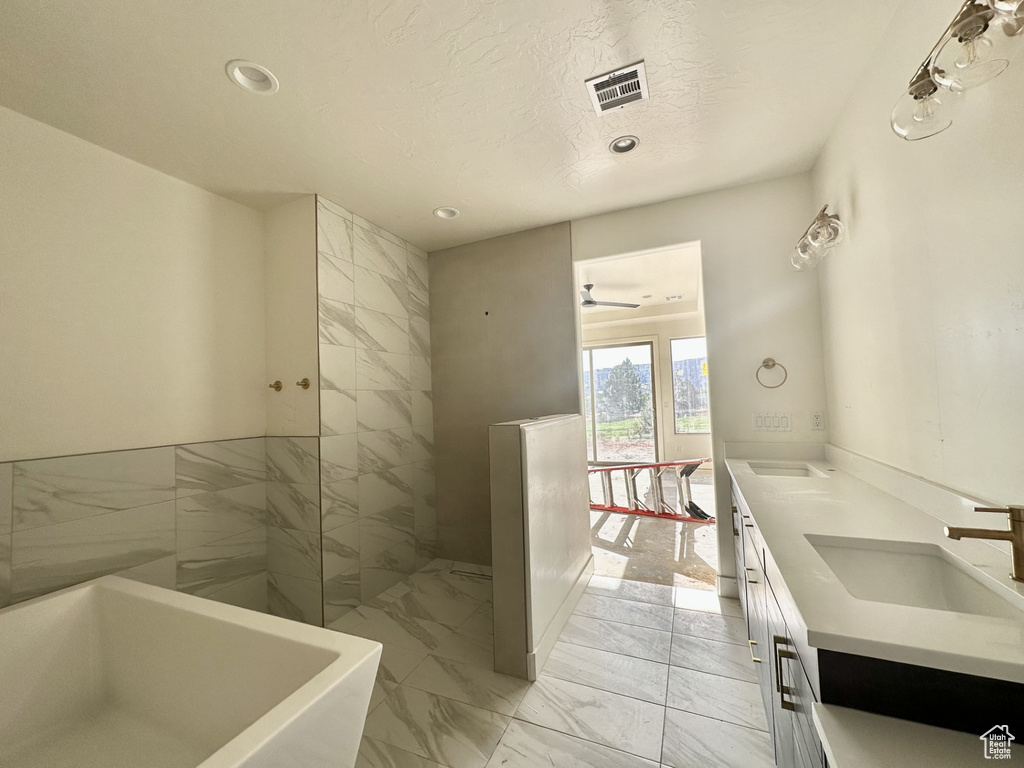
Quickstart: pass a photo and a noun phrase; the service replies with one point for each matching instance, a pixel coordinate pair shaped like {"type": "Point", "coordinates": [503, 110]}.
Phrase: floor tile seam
{"type": "Point", "coordinates": [486, 668]}
{"type": "Point", "coordinates": [605, 690]}
{"type": "Point", "coordinates": [624, 623]}
{"type": "Point", "coordinates": [468, 704]}
{"type": "Point", "coordinates": [582, 738]}
{"type": "Point", "coordinates": [600, 744]}
{"type": "Point", "coordinates": [716, 674]}
{"type": "Point", "coordinates": [405, 614]}
{"type": "Point", "coordinates": [598, 648]}
{"type": "Point", "coordinates": [719, 719]}
{"type": "Point", "coordinates": [616, 653]}
{"type": "Point", "coordinates": [383, 740]}
{"type": "Point", "coordinates": [509, 718]}
{"type": "Point", "coordinates": [713, 639]}
{"type": "Point", "coordinates": [631, 599]}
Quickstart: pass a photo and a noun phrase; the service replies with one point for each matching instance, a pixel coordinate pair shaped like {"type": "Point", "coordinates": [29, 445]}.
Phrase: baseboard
{"type": "Point", "coordinates": [727, 586]}
{"type": "Point", "coordinates": [536, 659]}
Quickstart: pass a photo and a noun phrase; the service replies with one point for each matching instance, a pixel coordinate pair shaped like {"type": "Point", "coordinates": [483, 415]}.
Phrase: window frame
{"type": "Point", "coordinates": [672, 376]}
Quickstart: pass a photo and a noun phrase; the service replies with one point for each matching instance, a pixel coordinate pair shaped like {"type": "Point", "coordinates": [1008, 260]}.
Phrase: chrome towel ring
{"type": "Point", "coordinates": [767, 364]}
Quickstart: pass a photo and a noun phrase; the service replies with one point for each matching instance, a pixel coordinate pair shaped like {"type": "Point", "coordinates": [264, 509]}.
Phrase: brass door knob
{"type": "Point", "coordinates": [276, 386]}
{"type": "Point", "coordinates": [304, 383]}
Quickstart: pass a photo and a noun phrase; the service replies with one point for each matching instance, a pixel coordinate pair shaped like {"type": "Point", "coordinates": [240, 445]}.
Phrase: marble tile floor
{"type": "Point", "coordinates": [643, 676]}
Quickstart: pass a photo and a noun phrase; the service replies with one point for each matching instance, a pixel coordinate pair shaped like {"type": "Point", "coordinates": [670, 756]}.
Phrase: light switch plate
{"type": "Point", "coordinates": [773, 422]}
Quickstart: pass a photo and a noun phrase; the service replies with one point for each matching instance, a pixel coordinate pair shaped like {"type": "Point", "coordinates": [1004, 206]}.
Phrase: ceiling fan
{"type": "Point", "coordinates": [588, 300]}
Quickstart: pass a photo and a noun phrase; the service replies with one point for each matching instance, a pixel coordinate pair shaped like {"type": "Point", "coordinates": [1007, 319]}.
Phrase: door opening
{"type": "Point", "coordinates": [644, 381]}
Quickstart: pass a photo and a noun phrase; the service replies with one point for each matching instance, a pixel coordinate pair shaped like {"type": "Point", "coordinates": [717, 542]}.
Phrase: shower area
{"type": "Point", "coordinates": [350, 493]}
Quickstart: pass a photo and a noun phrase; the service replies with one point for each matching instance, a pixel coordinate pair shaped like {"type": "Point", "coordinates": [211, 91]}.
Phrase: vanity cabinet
{"type": "Point", "coordinates": [785, 687]}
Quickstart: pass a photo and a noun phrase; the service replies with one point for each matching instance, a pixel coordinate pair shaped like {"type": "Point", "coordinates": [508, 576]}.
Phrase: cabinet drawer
{"type": "Point", "coordinates": [808, 746]}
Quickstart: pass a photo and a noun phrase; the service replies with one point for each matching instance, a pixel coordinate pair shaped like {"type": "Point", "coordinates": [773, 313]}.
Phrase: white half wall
{"type": "Point", "coordinates": [131, 303]}
{"type": "Point", "coordinates": [755, 305]}
{"type": "Point", "coordinates": [923, 303]}
{"type": "Point", "coordinates": [540, 534]}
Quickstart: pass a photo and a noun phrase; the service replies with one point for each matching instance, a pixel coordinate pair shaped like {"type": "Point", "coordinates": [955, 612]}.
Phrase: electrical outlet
{"type": "Point", "coordinates": [818, 420]}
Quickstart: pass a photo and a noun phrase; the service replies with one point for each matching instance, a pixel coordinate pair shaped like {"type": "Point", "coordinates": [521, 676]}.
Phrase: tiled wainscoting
{"type": "Point", "coordinates": [376, 422]}
{"type": "Point", "coordinates": [191, 517]}
{"type": "Point", "coordinates": [294, 569]}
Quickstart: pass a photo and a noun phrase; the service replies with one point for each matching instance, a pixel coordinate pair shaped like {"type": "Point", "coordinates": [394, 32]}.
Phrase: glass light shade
{"type": "Point", "coordinates": [914, 119]}
{"type": "Point", "coordinates": [1005, 6]}
{"type": "Point", "coordinates": [826, 231]}
{"type": "Point", "coordinates": [1012, 23]}
{"type": "Point", "coordinates": [807, 254]}
{"type": "Point", "coordinates": [962, 65]}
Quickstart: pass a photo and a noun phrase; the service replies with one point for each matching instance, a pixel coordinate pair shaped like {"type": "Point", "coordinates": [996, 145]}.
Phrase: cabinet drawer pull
{"type": "Point", "coordinates": [753, 658]}
{"type": "Point", "coordinates": [780, 654]}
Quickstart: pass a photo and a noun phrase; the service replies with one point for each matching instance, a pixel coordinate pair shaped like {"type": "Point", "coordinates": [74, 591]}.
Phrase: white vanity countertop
{"type": "Point", "coordinates": [851, 739]}
{"type": "Point", "coordinates": [839, 504]}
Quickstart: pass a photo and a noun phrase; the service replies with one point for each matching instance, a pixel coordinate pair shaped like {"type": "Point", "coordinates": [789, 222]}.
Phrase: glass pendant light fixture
{"type": "Point", "coordinates": [973, 52]}
{"type": "Point", "coordinates": [976, 47]}
{"type": "Point", "coordinates": [925, 109]}
{"type": "Point", "coordinates": [825, 232]}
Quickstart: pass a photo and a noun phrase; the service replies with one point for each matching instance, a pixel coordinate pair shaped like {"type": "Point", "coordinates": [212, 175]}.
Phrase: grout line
{"type": "Point", "coordinates": [664, 721]}
{"type": "Point", "coordinates": [711, 639]}
{"type": "Point", "coordinates": [597, 688]}
{"type": "Point", "coordinates": [720, 720]}
{"type": "Point", "coordinates": [585, 740]}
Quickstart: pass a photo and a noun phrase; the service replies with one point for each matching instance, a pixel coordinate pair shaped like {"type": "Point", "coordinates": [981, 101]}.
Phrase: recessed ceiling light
{"type": "Point", "coordinates": [252, 77]}
{"type": "Point", "coordinates": [624, 144]}
{"type": "Point", "coordinates": [446, 212]}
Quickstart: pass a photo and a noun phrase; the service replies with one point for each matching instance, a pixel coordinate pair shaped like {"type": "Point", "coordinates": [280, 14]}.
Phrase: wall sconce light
{"type": "Point", "coordinates": [825, 232]}
{"type": "Point", "coordinates": [976, 47]}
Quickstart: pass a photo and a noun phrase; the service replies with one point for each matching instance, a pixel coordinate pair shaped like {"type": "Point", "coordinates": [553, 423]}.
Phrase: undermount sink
{"type": "Point", "coordinates": [113, 673]}
{"type": "Point", "coordinates": [909, 573]}
{"type": "Point", "coordinates": [784, 469]}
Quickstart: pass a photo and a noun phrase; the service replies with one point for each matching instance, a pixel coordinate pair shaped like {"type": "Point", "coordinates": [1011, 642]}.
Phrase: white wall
{"type": "Point", "coordinates": [671, 446]}
{"type": "Point", "coordinates": [755, 305]}
{"type": "Point", "coordinates": [923, 304]}
{"type": "Point", "coordinates": [291, 312]}
{"type": "Point", "coordinates": [131, 304]}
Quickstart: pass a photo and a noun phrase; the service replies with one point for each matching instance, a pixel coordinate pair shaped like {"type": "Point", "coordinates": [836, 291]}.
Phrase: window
{"type": "Point", "coordinates": [690, 385]}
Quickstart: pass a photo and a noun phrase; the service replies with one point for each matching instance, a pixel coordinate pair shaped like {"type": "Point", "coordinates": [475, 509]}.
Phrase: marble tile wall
{"type": "Point", "coordinates": [294, 572]}
{"type": "Point", "coordinates": [376, 433]}
{"type": "Point", "coordinates": [189, 517]}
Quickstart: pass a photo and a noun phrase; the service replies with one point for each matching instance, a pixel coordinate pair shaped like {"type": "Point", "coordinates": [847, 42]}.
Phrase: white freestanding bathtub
{"type": "Point", "coordinates": [115, 673]}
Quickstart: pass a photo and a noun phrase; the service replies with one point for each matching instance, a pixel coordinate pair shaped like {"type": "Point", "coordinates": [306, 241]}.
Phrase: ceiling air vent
{"type": "Point", "coordinates": [618, 88]}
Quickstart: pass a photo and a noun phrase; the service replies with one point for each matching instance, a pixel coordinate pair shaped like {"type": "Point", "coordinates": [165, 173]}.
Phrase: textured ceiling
{"type": "Point", "coordinates": [647, 279]}
{"type": "Point", "coordinates": [395, 108]}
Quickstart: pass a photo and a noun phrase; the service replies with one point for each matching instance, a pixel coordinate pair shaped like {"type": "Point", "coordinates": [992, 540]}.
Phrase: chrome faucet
{"type": "Point", "coordinates": [1015, 536]}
